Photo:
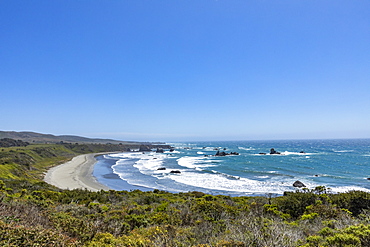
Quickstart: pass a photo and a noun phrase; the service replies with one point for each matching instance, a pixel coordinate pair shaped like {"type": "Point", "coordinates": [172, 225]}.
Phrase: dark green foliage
{"type": "Point", "coordinates": [45, 152]}
{"type": "Point", "coordinates": [160, 218]}
{"type": "Point", "coordinates": [354, 201]}
{"type": "Point", "coordinates": [19, 158]}
{"type": "Point", "coordinates": [15, 235]}
{"type": "Point", "coordinates": [8, 142]}
{"type": "Point", "coordinates": [295, 204]}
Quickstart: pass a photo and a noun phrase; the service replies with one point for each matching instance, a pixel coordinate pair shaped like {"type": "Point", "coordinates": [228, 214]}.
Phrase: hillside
{"type": "Point", "coordinates": [33, 137]}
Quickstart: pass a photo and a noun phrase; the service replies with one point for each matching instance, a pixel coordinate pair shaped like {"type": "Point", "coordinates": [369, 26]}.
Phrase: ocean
{"type": "Point", "coordinates": [341, 165]}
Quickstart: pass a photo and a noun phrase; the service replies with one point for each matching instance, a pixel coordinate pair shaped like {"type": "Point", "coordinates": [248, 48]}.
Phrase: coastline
{"type": "Point", "coordinates": [76, 174]}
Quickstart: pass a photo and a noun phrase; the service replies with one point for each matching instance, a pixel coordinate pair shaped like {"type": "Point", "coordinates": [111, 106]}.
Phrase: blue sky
{"type": "Point", "coordinates": [186, 70]}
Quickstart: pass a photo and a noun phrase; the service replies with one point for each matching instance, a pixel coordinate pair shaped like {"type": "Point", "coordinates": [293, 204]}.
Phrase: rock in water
{"type": "Point", "coordinates": [298, 184]}
{"type": "Point", "coordinates": [144, 148]}
{"type": "Point", "coordinates": [272, 151]}
{"type": "Point", "coordinates": [224, 153]}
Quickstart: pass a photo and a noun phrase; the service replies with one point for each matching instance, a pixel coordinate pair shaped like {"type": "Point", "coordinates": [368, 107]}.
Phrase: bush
{"type": "Point", "coordinates": [14, 235]}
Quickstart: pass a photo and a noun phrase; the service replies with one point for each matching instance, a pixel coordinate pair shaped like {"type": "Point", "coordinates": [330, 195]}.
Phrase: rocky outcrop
{"type": "Point", "coordinates": [144, 148]}
{"type": "Point", "coordinates": [159, 150]}
{"type": "Point", "coordinates": [175, 171]}
{"type": "Point", "coordinates": [298, 184]}
{"type": "Point", "coordinates": [272, 151]}
{"type": "Point", "coordinates": [161, 168]}
{"type": "Point", "coordinates": [224, 153]}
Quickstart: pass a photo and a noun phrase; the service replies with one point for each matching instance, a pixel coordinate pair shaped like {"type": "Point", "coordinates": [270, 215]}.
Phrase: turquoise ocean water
{"type": "Point", "coordinates": [341, 165]}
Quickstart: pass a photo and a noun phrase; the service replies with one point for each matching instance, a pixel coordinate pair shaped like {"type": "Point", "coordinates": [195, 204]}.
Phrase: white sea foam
{"type": "Point", "coordinates": [196, 162]}
{"type": "Point", "coordinates": [128, 155]}
{"type": "Point", "coordinates": [211, 148]}
{"type": "Point", "coordinates": [296, 153]}
{"type": "Point", "coordinates": [220, 182]}
{"type": "Point", "coordinates": [150, 162]}
{"type": "Point", "coordinates": [247, 149]}
{"type": "Point", "coordinates": [142, 169]}
{"type": "Point", "coordinates": [286, 153]}
{"type": "Point", "coordinates": [146, 163]}
{"type": "Point", "coordinates": [348, 188]}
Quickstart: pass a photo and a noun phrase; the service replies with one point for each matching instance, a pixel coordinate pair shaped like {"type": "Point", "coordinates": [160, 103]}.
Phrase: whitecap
{"type": "Point", "coordinates": [344, 189]}
{"type": "Point", "coordinates": [195, 162]}
{"type": "Point", "coordinates": [295, 153]}
{"type": "Point", "coordinates": [224, 183]}
{"type": "Point", "coordinates": [172, 152]}
{"type": "Point", "coordinates": [150, 162]}
{"type": "Point", "coordinates": [247, 149]}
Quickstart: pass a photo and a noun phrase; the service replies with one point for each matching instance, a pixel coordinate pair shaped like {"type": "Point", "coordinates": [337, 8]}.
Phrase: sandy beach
{"type": "Point", "coordinates": [75, 174]}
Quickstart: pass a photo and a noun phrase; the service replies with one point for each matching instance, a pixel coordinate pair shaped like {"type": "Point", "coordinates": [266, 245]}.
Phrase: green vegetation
{"type": "Point", "coordinates": [33, 213]}
{"type": "Point", "coordinates": [31, 161]}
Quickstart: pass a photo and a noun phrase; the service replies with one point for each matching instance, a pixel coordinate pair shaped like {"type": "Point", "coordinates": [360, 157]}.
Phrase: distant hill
{"type": "Point", "coordinates": [33, 137]}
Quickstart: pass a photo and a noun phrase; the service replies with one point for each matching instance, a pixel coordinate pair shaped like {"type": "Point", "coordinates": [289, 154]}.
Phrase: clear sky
{"type": "Point", "coordinates": [186, 70]}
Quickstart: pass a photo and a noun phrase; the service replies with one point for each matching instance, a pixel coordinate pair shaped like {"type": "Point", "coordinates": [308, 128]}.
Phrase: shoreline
{"type": "Point", "coordinates": [76, 174]}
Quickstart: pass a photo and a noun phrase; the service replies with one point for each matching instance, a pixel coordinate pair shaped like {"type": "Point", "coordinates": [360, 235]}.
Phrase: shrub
{"type": "Point", "coordinates": [15, 235]}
